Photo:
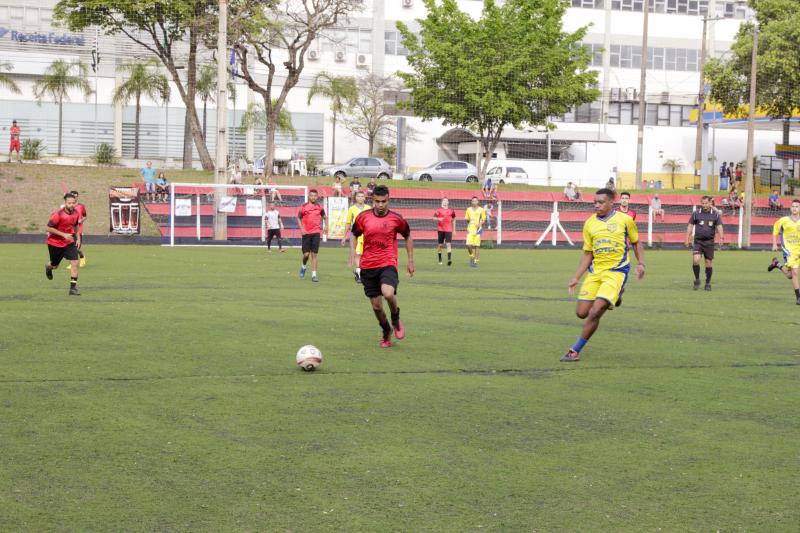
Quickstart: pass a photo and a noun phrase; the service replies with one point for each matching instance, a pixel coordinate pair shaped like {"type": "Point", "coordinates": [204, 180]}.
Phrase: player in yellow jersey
{"type": "Point", "coordinates": [356, 245]}
{"type": "Point", "coordinates": [605, 255]}
{"type": "Point", "coordinates": [476, 216]}
{"type": "Point", "coordinates": [788, 230]}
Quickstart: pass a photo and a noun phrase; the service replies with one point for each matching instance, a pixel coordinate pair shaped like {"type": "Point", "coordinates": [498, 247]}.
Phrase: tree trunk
{"type": "Point", "coordinates": [785, 162]}
{"type": "Point", "coordinates": [673, 179]}
{"type": "Point", "coordinates": [205, 106]}
{"type": "Point", "coordinates": [371, 142]}
{"type": "Point", "coordinates": [136, 129]}
{"type": "Point", "coordinates": [333, 140]}
{"type": "Point", "coordinates": [191, 89]}
{"type": "Point", "coordinates": [60, 122]}
{"type": "Point", "coordinates": [269, 157]}
{"type": "Point", "coordinates": [187, 142]}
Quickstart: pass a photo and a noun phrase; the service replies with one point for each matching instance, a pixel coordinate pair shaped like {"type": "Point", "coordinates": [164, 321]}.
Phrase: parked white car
{"type": "Point", "coordinates": [507, 174]}
{"type": "Point", "coordinates": [447, 171]}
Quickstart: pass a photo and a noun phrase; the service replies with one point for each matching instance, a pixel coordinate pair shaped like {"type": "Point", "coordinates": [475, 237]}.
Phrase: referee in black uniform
{"type": "Point", "coordinates": [706, 224]}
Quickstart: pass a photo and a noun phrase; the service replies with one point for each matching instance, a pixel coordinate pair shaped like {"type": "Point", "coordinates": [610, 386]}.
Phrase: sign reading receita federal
{"type": "Point", "coordinates": [63, 39]}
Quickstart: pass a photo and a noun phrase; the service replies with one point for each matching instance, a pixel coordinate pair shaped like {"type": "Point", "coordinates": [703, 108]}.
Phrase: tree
{"type": "Point", "coordinates": [256, 117]}
{"type": "Point", "coordinates": [778, 65]}
{"type": "Point", "coordinates": [159, 26]}
{"type": "Point", "coordinates": [6, 80]}
{"type": "Point", "coordinates": [513, 66]}
{"type": "Point", "coordinates": [279, 37]}
{"type": "Point", "coordinates": [673, 165]}
{"type": "Point", "coordinates": [142, 80]}
{"type": "Point", "coordinates": [341, 91]}
{"type": "Point", "coordinates": [369, 117]}
{"type": "Point", "coordinates": [58, 79]}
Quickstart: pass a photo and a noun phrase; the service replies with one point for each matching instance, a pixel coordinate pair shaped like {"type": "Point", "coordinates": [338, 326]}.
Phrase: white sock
{"type": "Point", "coordinates": [358, 271]}
{"type": "Point", "coordinates": [303, 267]}
{"type": "Point", "coordinates": [313, 272]}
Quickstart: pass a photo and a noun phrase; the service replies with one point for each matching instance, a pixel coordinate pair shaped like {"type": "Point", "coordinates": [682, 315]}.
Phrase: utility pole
{"type": "Point", "coordinates": [220, 176]}
{"type": "Point", "coordinates": [642, 99]}
{"type": "Point", "coordinates": [748, 184]}
{"type": "Point", "coordinates": [699, 166]}
{"type": "Point", "coordinates": [95, 68]}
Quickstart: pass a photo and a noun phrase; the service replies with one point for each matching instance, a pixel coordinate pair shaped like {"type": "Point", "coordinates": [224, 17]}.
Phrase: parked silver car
{"type": "Point", "coordinates": [363, 167]}
{"type": "Point", "coordinates": [447, 171]}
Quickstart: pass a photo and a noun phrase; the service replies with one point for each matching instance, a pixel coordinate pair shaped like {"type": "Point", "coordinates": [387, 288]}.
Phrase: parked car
{"type": "Point", "coordinates": [447, 171]}
{"type": "Point", "coordinates": [363, 167]}
{"type": "Point", "coordinates": [506, 174]}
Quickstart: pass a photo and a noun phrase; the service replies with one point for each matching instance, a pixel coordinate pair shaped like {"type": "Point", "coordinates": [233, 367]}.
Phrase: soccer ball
{"type": "Point", "coordinates": [309, 357]}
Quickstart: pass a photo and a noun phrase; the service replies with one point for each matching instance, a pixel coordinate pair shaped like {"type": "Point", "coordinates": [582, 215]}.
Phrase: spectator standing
{"type": "Point", "coordinates": [732, 172]}
{"type": "Point", "coordinates": [571, 192]}
{"type": "Point", "coordinates": [274, 227]}
{"type": "Point", "coordinates": [723, 176]}
{"type": "Point", "coordinates": [738, 173]}
{"type": "Point", "coordinates": [162, 187]}
{"type": "Point", "coordinates": [371, 187]}
{"type": "Point", "coordinates": [655, 206]}
{"type": "Point", "coordinates": [15, 142]}
{"type": "Point", "coordinates": [148, 173]}
{"type": "Point", "coordinates": [610, 185]}
{"type": "Point", "coordinates": [355, 186]}
{"type": "Point", "coordinates": [774, 201]}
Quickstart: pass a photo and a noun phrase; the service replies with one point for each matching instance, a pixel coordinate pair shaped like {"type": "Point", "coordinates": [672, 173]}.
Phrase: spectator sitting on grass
{"type": "Point", "coordinates": [774, 201]}
{"type": "Point", "coordinates": [571, 192]}
{"type": "Point", "coordinates": [162, 187]}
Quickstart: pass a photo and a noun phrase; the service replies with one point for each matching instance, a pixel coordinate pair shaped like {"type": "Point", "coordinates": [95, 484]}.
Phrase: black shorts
{"type": "Point", "coordinates": [704, 247]}
{"type": "Point", "coordinates": [273, 233]}
{"type": "Point", "coordinates": [373, 278]}
{"type": "Point", "coordinates": [311, 243]}
{"type": "Point", "coordinates": [445, 237]}
{"type": "Point", "coordinates": [69, 252]}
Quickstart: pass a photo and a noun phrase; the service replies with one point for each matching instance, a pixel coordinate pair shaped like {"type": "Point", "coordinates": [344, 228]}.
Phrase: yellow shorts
{"type": "Point", "coordinates": [360, 245]}
{"type": "Point", "coordinates": [473, 239]}
{"type": "Point", "coordinates": [791, 258]}
{"type": "Point", "coordinates": [606, 285]}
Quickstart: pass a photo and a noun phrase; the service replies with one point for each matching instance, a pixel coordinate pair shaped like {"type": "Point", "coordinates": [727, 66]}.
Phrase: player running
{"type": "Point", "coordinates": [445, 224]}
{"type": "Point", "coordinates": [15, 144]}
{"type": "Point", "coordinates": [624, 201]}
{"type": "Point", "coordinates": [379, 226]}
{"type": "Point", "coordinates": [788, 228]}
{"type": "Point", "coordinates": [62, 232]}
{"type": "Point", "coordinates": [707, 224]}
{"type": "Point", "coordinates": [605, 256]}
{"type": "Point", "coordinates": [81, 209]}
{"type": "Point", "coordinates": [476, 215]}
{"type": "Point", "coordinates": [312, 218]}
{"type": "Point", "coordinates": [274, 227]}
{"type": "Point", "coordinates": [356, 244]}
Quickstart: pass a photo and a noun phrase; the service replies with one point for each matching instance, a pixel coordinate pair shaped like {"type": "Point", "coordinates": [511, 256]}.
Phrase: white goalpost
{"type": "Point", "coordinates": [188, 219]}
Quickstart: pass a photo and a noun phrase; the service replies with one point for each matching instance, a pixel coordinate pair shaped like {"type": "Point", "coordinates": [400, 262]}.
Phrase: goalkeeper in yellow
{"type": "Point", "coordinates": [356, 244]}
{"type": "Point", "coordinates": [605, 256]}
{"type": "Point", "coordinates": [788, 230]}
{"type": "Point", "coordinates": [476, 218]}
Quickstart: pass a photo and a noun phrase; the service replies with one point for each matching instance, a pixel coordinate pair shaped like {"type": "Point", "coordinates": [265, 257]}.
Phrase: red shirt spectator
{"type": "Point", "coordinates": [380, 237]}
{"type": "Point", "coordinates": [311, 215]}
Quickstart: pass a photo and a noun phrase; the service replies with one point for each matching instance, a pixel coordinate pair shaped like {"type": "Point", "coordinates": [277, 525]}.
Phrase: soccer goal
{"type": "Point", "coordinates": [229, 214]}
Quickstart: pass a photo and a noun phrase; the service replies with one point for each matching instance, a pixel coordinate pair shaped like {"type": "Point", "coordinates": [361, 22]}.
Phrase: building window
{"type": "Point", "coordinates": [31, 16]}
{"type": "Point", "coordinates": [3, 13]}
{"type": "Point", "coordinates": [16, 14]}
{"type": "Point", "coordinates": [46, 16]}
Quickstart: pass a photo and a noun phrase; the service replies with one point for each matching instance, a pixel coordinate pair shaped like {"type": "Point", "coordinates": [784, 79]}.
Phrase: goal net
{"type": "Point", "coordinates": [233, 214]}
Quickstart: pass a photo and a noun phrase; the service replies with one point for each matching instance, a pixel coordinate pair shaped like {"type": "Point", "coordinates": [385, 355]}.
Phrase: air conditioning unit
{"type": "Point", "coordinates": [665, 97]}
{"type": "Point", "coordinates": [408, 4]}
{"type": "Point", "coordinates": [631, 94]}
{"type": "Point", "coordinates": [615, 94]}
{"type": "Point", "coordinates": [313, 55]}
{"type": "Point", "coordinates": [339, 56]}
{"type": "Point", "coordinates": [362, 60]}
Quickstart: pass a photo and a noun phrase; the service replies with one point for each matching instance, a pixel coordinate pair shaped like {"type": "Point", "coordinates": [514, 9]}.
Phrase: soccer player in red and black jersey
{"type": "Point", "coordinates": [81, 209]}
{"type": "Point", "coordinates": [380, 228]}
{"type": "Point", "coordinates": [445, 219]}
{"type": "Point", "coordinates": [624, 202]}
{"type": "Point", "coordinates": [62, 232]}
{"type": "Point", "coordinates": [311, 217]}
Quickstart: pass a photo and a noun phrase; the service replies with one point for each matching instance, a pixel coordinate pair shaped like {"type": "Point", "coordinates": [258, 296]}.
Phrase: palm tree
{"type": "Point", "coordinates": [342, 92]}
{"type": "Point", "coordinates": [57, 81]}
{"type": "Point", "coordinates": [673, 165]}
{"type": "Point", "coordinates": [256, 117]}
{"type": "Point", "coordinates": [206, 87]}
{"type": "Point", "coordinates": [142, 80]}
{"type": "Point", "coordinates": [5, 80]}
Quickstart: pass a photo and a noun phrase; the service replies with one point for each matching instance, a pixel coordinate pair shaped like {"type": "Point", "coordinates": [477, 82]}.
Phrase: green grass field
{"type": "Point", "coordinates": [166, 398]}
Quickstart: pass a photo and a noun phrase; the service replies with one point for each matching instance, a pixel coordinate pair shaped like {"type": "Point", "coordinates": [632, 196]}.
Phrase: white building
{"type": "Point", "coordinates": [370, 41]}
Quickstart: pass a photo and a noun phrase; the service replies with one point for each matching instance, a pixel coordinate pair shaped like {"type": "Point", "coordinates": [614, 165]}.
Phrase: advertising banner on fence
{"type": "Point", "coordinates": [227, 204]}
{"type": "Point", "coordinates": [123, 209]}
{"type": "Point", "coordinates": [183, 207]}
{"type": "Point", "coordinates": [337, 215]}
{"type": "Point", "coordinates": [255, 208]}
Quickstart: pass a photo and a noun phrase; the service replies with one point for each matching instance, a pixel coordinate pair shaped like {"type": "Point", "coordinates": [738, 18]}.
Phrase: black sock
{"type": "Point", "coordinates": [396, 316]}
{"type": "Point", "coordinates": [305, 260]}
{"type": "Point", "coordinates": [73, 283]}
{"type": "Point", "coordinates": [708, 274]}
{"type": "Point", "coordinates": [696, 270]}
{"type": "Point", "coordinates": [440, 257]}
{"type": "Point", "coordinates": [797, 292]}
{"type": "Point", "coordinates": [387, 329]}
{"type": "Point", "coordinates": [449, 256]}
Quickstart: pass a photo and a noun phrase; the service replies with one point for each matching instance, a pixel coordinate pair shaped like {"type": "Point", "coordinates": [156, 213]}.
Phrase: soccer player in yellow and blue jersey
{"type": "Point", "coordinates": [605, 255]}
{"type": "Point", "coordinates": [476, 217]}
{"type": "Point", "coordinates": [356, 245]}
{"type": "Point", "coordinates": [788, 229]}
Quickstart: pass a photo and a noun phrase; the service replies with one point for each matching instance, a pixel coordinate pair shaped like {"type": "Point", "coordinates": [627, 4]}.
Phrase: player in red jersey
{"type": "Point", "coordinates": [380, 228]}
{"type": "Point", "coordinates": [445, 218]}
{"type": "Point", "coordinates": [81, 209]}
{"type": "Point", "coordinates": [62, 232]}
{"type": "Point", "coordinates": [624, 200]}
{"type": "Point", "coordinates": [312, 218]}
{"type": "Point", "coordinates": [15, 144]}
